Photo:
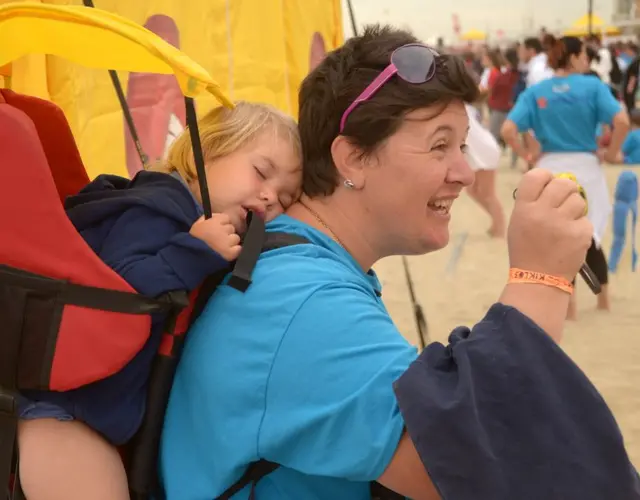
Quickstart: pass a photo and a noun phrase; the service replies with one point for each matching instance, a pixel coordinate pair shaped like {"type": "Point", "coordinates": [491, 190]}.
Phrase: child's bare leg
{"type": "Point", "coordinates": [68, 461]}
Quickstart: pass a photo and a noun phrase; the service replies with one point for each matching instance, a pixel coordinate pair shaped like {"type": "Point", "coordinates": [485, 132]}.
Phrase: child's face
{"type": "Point", "coordinates": [264, 176]}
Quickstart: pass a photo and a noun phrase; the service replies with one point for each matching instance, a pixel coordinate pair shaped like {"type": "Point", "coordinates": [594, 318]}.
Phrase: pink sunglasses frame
{"type": "Point", "coordinates": [383, 78]}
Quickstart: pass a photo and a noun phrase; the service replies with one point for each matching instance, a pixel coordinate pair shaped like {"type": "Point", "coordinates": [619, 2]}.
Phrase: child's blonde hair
{"type": "Point", "coordinates": [224, 130]}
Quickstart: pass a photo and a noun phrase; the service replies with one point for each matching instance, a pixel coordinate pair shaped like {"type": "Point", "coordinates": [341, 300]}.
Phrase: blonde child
{"type": "Point", "coordinates": [150, 230]}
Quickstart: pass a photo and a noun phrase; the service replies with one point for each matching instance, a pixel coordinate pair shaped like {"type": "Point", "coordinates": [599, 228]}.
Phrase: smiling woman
{"type": "Point", "coordinates": [305, 379]}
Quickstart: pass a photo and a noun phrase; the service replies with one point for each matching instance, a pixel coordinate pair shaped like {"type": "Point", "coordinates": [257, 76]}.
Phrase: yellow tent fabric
{"type": "Point", "coordinates": [598, 26]}
{"type": "Point", "coordinates": [257, 50]}
{"type": "Point", "coordinates": [29, 73]}
{"type": "Point", "coordinates": [581, 31]}
{"type": "Point", "coordinates": [473, 35]}
{"type": "Point", "coordinates": [583, 21]}
{"type": "Point", "coordinates": [98, 39]}
{"type": "Point", "coordinates": [604, 30]}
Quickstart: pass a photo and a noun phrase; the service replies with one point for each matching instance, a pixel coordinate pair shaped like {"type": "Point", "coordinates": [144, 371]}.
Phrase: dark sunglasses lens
{"type": "Point", "coordinates": [415, 63]}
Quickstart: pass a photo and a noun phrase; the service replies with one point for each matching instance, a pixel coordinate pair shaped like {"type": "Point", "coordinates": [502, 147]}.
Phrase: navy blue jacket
{"type": "Point", "coordinates": [502, 413]}
{"type": "Point", "coordinates": [140, 228]}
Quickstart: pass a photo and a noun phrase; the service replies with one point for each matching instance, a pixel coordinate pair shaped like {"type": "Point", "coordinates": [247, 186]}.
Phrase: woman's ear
{"type": "Point", "coordinates": [347, 158]}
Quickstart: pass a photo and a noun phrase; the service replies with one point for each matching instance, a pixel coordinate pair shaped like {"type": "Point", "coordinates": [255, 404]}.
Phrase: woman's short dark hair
{"type": "Point", "coordinates": [495, 56]}
{"type": "Point", "coordinates": [533, 43]}
{"type": "Point", "coordinates": [331, 87]}
{"type": "Point", "coordinates": [560, 52]}
{"type": "Point", "coordinates": [511, 56]}
{"type": "Point", "coordinates": [592, 54]}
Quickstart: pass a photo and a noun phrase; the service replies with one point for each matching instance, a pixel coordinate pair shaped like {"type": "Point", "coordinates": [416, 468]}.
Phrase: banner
{"type": "Point", "coordinates": [258, 50]}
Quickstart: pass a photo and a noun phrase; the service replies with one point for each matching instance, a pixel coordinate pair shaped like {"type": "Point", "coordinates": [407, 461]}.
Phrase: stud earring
{"type": "Point", "coordinates": [348, 183]}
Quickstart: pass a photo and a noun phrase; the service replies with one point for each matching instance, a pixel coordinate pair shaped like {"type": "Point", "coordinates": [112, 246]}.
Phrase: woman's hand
{"type": "Point", "coordinates": [548, 233]}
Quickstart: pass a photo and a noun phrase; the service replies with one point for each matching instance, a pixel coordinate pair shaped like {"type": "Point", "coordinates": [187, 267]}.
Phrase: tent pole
{"type": "Point", "coordinates": [354, 27]}
{"type": "Point", "coordinates": [144, 159]}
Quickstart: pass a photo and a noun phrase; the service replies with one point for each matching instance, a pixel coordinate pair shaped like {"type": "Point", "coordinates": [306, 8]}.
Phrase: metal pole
{"type": "Point", "coordinates": [144, 159]}
{"type": "Point", "coordinates": [354, 27]}
{"type": "Point", "coordinates": [418, 312]}
{"type": "Point", "coordinates": [590, 14]}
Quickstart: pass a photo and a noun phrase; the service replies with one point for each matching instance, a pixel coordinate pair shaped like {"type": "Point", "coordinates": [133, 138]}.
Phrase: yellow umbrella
{"type": "Point", "coordinates": [583, 22]}
{"type": "Point", "coordinates": [473, 35]}
{"type": "Point", "coordinates": [97, 39]}
{"type": "Point", "coordinates": [584, 31]}
{"type": "Point", "coordinates": [581, 27]}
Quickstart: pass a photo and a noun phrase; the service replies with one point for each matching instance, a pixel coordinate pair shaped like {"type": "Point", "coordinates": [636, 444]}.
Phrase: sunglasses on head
{"type": "Point", "coordinates": [414, 63]}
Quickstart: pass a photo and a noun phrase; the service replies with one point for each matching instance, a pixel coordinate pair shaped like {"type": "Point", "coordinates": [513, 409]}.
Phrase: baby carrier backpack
{"type": "Point", "coordinates": [67, 318]}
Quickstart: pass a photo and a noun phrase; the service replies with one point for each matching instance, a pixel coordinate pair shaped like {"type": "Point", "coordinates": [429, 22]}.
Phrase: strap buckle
{"type": "Point", "coordinates": [8, 403]}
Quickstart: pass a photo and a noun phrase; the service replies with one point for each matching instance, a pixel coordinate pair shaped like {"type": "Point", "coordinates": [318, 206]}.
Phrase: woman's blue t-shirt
{"type": "Point", "coordinates": [564, 112]}
{"type": "Point", "coordinates": [298, 370]}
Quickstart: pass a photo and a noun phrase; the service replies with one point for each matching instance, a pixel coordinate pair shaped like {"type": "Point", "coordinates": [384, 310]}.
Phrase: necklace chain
{"type": "Point", "coordinates": [322, 223]}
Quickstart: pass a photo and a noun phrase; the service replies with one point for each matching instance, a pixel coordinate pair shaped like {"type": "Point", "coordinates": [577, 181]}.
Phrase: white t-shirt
{"type": "Point", "coordinates": [538, 69]}
{"type": "Point", "coordinates": [483, 150]}
{"type": "Point", "coordinates": [604, 67]}
{"type": "Point", "coordinates": [484, 78]}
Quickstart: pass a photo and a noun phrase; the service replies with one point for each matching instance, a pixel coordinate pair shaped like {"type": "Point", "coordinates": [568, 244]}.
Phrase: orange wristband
{"type": "Point", "coordinates": [521, 276]}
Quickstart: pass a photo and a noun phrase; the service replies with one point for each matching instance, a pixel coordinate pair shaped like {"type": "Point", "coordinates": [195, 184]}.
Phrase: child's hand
{"type": "Point", "coordinates": [219, 234]}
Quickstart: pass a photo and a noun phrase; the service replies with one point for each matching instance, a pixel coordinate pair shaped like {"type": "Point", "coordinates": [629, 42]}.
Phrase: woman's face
{"type": "Point", "coordinates": [415, 177]}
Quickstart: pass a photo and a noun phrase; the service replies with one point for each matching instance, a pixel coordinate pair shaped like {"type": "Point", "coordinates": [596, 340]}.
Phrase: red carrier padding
{"type": "Point", "coordinates": [57, 141]}
{"type": "Point", "coordinates": [37, 236]}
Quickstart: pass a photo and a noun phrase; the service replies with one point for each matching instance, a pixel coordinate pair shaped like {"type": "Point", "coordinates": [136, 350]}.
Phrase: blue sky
{"type": "Point", "coordinates": [430, 18]}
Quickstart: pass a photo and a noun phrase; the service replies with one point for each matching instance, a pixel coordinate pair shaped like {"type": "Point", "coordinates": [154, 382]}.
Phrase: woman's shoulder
{"type": "Point", "coordinates": [308, 266]}
{"type": "Point", "coordinates": [589, 80]}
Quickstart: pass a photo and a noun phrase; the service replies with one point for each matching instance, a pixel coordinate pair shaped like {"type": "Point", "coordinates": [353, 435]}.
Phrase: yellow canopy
{"type": "Point", "coordinates": [97, 39]}
{"type": "Point", "coordinates": [581, 27]}
{"type": "Point", "coordinates": [583, 22]}
{"type": "Point", "coordinates": [473, 35]}
{"type": "Point", "coordinates": [584, 31]}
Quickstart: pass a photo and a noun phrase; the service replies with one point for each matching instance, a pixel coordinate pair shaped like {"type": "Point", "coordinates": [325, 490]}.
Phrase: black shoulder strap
{"type": "Point", "coordinates": [256, 241]}
{"type": "Point", "coordinates": [91, 297]}
{"type": "Point", "coordinates": [251, 250]}
{"type": "Point", "coordinates": [379, 492]}
{"type": "Point", "coordinates": [254, 473]}
{"type": "Point", "coordinates": [257, 470]}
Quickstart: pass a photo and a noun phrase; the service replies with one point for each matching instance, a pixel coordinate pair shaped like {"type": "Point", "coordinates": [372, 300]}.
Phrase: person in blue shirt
{"type": "Point", "coordinates": [306, 369]}
{"type": "Point", "coordinates": [150, 230]}
{"type": "Point", "coordinates": [631, 145]}
{"type": "Point", "coordinates": [564, 113]}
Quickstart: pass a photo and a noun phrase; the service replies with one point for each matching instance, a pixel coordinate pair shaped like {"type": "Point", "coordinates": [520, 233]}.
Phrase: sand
{"type": "Point", "coordinates": [605, 345]}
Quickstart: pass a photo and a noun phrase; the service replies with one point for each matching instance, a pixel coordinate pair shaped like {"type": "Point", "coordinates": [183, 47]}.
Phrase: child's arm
{"type": "Point", "coordinates": [155, 254]}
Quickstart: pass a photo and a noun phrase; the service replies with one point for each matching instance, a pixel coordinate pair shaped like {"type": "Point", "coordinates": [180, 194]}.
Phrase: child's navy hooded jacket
{"type": "Point", "coordinates": [140, 228]}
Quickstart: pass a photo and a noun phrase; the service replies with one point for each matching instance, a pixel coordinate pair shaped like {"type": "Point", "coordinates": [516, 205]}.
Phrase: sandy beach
{"type": "Point", "coordinates": [459, 292]}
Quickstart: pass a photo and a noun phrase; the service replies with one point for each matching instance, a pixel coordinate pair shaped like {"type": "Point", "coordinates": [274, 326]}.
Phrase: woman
{"type": "Point", "coordinates": [501, 94]}
{"type": "Point", "coordinates": [492, 62]}
{"type": "Point", "coordinates": [306, 369]}
{"type": "Point", "coordinates": [484, 153]}
{"type": "Point", "coordinates": [564, 113]}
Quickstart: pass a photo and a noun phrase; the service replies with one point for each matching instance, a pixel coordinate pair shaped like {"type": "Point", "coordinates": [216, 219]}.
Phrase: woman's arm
{"type": "Point", "coordinates": [407, 475]}
{"type": "Point", "coordinates": [510, 135]}
{"type": "Point", "coordinates": [620, 125]}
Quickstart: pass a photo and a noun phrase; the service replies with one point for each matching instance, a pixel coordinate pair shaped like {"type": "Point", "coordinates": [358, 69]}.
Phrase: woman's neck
{"type": "Point", "coordinates": [339, 224]}
{"type": "Point", "coordinates": [564, 72]}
